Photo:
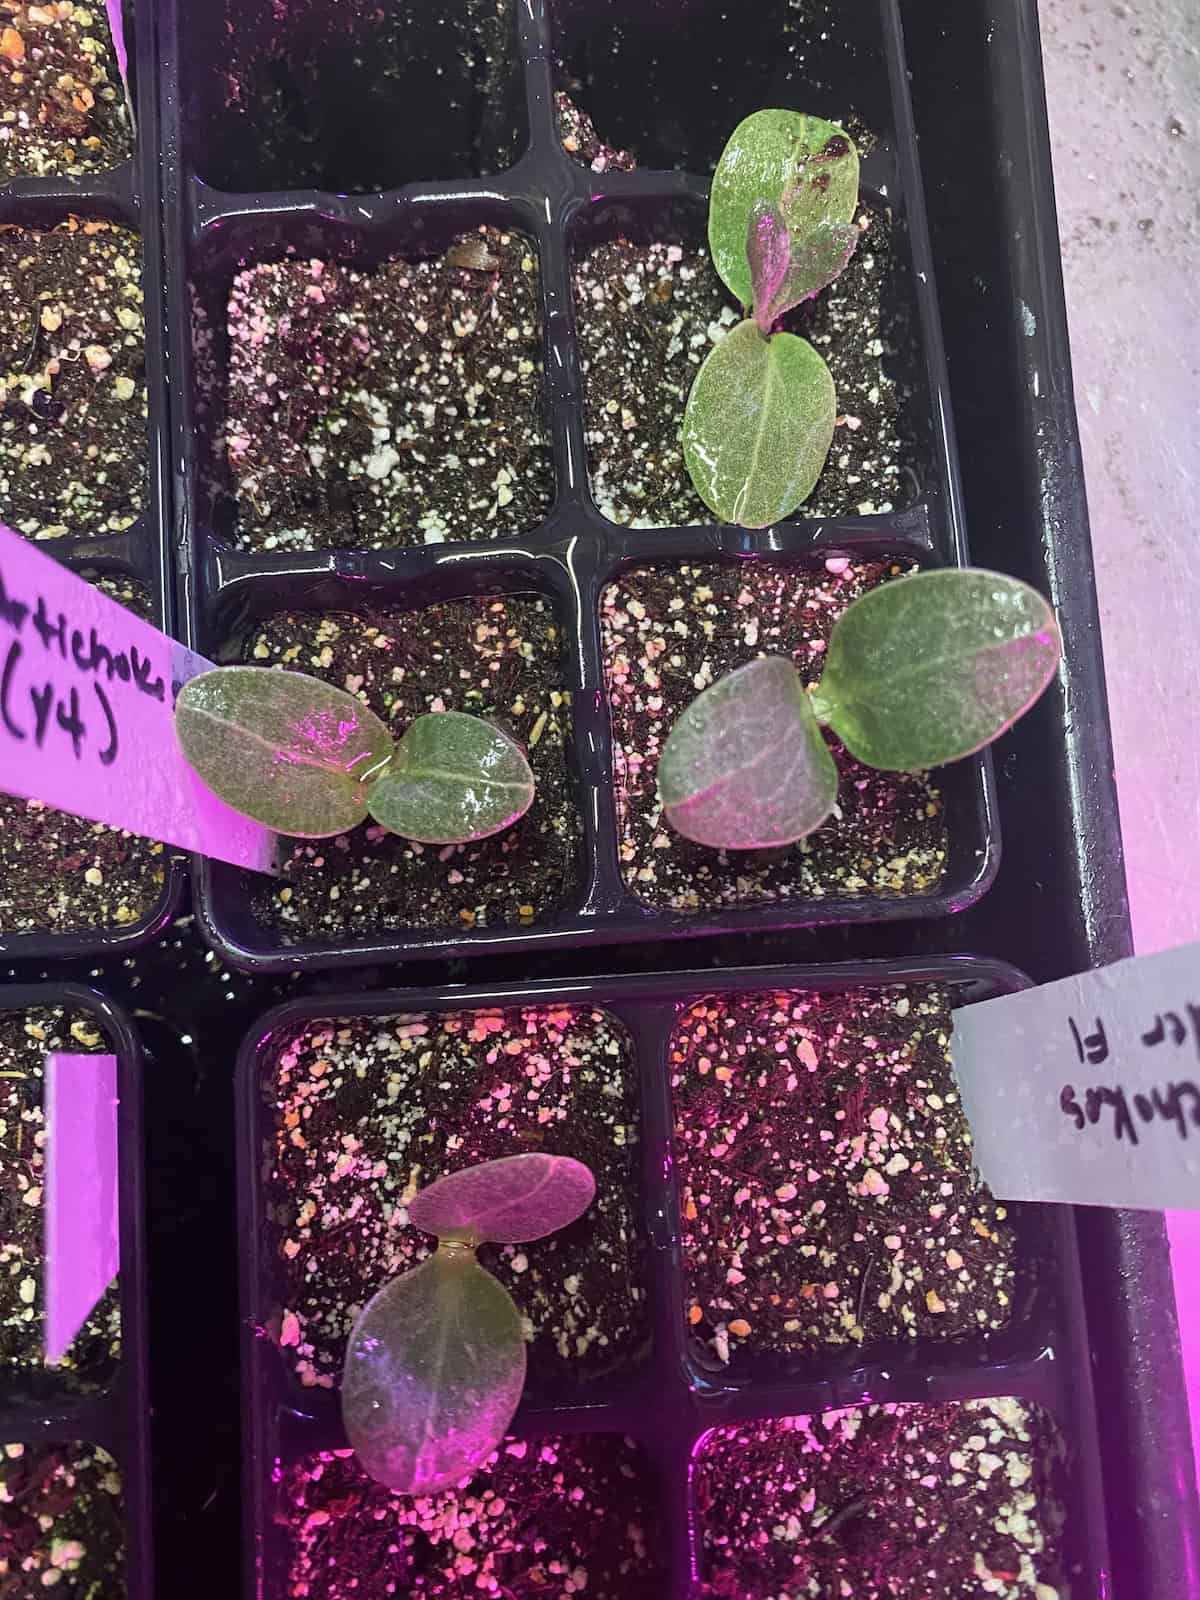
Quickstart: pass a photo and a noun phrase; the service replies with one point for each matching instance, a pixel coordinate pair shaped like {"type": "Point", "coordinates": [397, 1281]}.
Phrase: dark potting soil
{"type": "Point", "coordinates": [649, 314]}
{"type": "Point", "coordinates": [496, 657]}
{"type": "Point", "coordinates": [397, 406]}
{"type": "Point", "coordinates": [368, 1111]}
{"type": "Point", "coordinates": [826, 1178]}
{"type": "Point", "coordinates": [64, 874]}
{"type": "Point", "coordinates": [670, 632]}
{"type": "Point", "coordinates": [950, 1502]}
{"type": "Point", "coordinates": [62, 102]}
{"type": "Point", "coordinates": [676, 108]}
{"type": "Point", "coordinates": [356, 97]}
{"type": "Point", "coordinates": [26, 1037]}
{"type": "Point", "coordinates": [543, 1519]}
{"type": "Point", "coordinates": [581, 140]}
{"type": "Point", "coordinates": [61, 1523]}
{"type": "Point", "coordinates": [73, 400]}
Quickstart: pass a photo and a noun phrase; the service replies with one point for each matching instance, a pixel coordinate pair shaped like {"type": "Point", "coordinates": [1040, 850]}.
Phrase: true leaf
{"type": "Point", "coordinates": [805, 167]}
{"type": "Point", "coordinates": [758, 425]}
{"type": "Point", "coordinates": [768, 252]}
{"type": "Point", "coordinates": [931, 667]}
{"type": "Point", "coordinates": [784, 272]}
{"type": "Point", "coordinates": [509, 1201]}
{"type": "Point", "coordinates": [434, 1370]}
{"type": "Point", "coordinates": [746, 767]}
{"type": "Point", "coordinates": [452, 778]}
{"type": "Point", "coordinates": [285, 749]}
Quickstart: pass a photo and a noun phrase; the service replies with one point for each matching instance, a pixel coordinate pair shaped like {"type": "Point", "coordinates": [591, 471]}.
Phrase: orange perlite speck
{"type": "Point", "coordinates": [12, 46]}
{"type": "Point", "coordinates": [740, 1328]}
{"type": "Point", "coordinates": [695, 1315]}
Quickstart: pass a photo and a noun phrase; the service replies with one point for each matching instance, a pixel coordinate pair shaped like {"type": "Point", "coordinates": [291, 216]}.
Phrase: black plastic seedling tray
{"type": "Point", "coordinates": [129, 196]}
{"type": "Point", "coordinates": [559, 206]}
{"type": "Point", "coordinates": [117, 1415]}
{"type": "Point", "coordinates": [669, 1400]}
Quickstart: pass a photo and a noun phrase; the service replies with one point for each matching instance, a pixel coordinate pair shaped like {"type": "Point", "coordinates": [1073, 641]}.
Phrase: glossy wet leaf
{"type": "Point", "coordinates": [758, 425]}
{"type": "Point", "coordinates": [453, 778]}
{"type": "Point", "coordinates": [434, 1370]}
{"type": "Point", "coordinates": [282, 748]}
{"type": "Point", "coordinates": [806, 168]}
{"type": "Point", "coordinates": [784, 273]}
{"type": "Point", "coordinates": [929, 668]}
{"type": "Point", "coordinates": [746, 766]}
{"type": "Point", "coordinates": [509, 1201]}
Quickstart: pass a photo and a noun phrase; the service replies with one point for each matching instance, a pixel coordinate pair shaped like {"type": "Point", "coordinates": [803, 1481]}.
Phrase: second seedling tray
{"type": "Point", "coordinates": [669, 1400]}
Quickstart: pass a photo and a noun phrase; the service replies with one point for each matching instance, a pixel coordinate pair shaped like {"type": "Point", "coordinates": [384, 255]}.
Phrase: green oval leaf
{"type": "Point", "coordinates": [805, 167]}
{"type": "Point", "coordinates": [282, 748]}
{"type": "Point", "coordinates": [434, 1372]}
{"type": "Point", "coordinates": [746, 766]}
{"type": "Point", "coordinates": [453, 778]}
{"type": "Point", "coordinates": [509, 1201]}
{"type": "Point", "coordinates": [927, 669]}
{"type": "Point", "coordinates": [758, 425]}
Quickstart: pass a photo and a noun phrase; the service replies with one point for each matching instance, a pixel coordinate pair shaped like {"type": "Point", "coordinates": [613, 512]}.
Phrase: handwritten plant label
{"type": "Point", "coordinates": [83, 1248]}
{"type": "Point", "coordinates": [87, 719]}
{"type": "Point", "coordinates": [1087, 1091]}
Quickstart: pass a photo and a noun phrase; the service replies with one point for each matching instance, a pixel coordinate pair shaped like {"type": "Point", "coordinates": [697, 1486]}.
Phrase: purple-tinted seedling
{"type": "Point", "coordinates": [918, 673]}
{"type": "Point", "coordinates": [785, 270]}
{"type": "Point", "coordinates": [307, 759]}
{"type": "Point", "coordinates": [769, 252]}
{"type": "Point", "coordinates": [435, 1363]}
{"type": "Point", "coordinates": [760, 416]}
{"type": "Point", "coordinates": [511, 1201]}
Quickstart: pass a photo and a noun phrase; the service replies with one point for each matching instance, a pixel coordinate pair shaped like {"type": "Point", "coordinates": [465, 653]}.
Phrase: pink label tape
{"type": "Point", "coordinates": [116, 24]}
{"type": "Point", "coordinates": [83, 1248]}
{"type": "Point", "coordinates": [87, 714]}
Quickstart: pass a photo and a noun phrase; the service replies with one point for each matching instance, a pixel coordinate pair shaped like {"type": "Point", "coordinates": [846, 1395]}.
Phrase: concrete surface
{"type": "Point", "coordinates": [1123, 84]}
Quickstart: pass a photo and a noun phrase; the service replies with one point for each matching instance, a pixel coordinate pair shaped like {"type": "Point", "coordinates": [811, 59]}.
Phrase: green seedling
{"type": "Point", "coordinates": [918, 673]}
{"type": "Point", "coordinates": [304, 758]}
{"type": "Point", "coordinates": [435, 1363]}
{"type": "Point", "coordinates": [760, 416]}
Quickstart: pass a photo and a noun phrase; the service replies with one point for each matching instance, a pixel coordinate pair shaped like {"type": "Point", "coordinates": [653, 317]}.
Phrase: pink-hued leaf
{"type": "Point", "coordinates": [509, 1201]}
{"type": "Point", "coordinates": [813, 264]}
{"type": "Point", "coordinates": [745, 767]}
{"type": "Point", "coordinates": [768, 250]}
{"type": "Point", "coordinates": [435, 1366]}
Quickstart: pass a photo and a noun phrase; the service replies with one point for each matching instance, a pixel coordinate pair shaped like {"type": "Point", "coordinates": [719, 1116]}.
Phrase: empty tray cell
{"type": "Point", "coordinates": [627, 67]}
{"type": "Point", "coordinates": [825, 1174]}
{"type": "Point", "coordinates": [73, 456]}
{"type": "Point", "coordinates": [26, 1037]}
{"type": "Point", "coordinates": [64, 874]}
{"type": "Point", "coordinates": [62, 102]}
{"type": "Point", "coordinates": [355, 97]}
{"type": "Point", "coordinates": [886, 1502]}
{"type": "Point", "coordinates": [398, 405]}
{"type": "Point", "coordinates": [61, 1522]}
{"type": "Point", "coordinates": [669, 632]}
{"type": "Point", "coordinates": [493, 656]}
{"type": "Point", "coordinates": [650, 306]}
{"type": "Point", "coordinates": [363, 1112]}
{"type": "Point", "coordinates": [550, 1518]}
